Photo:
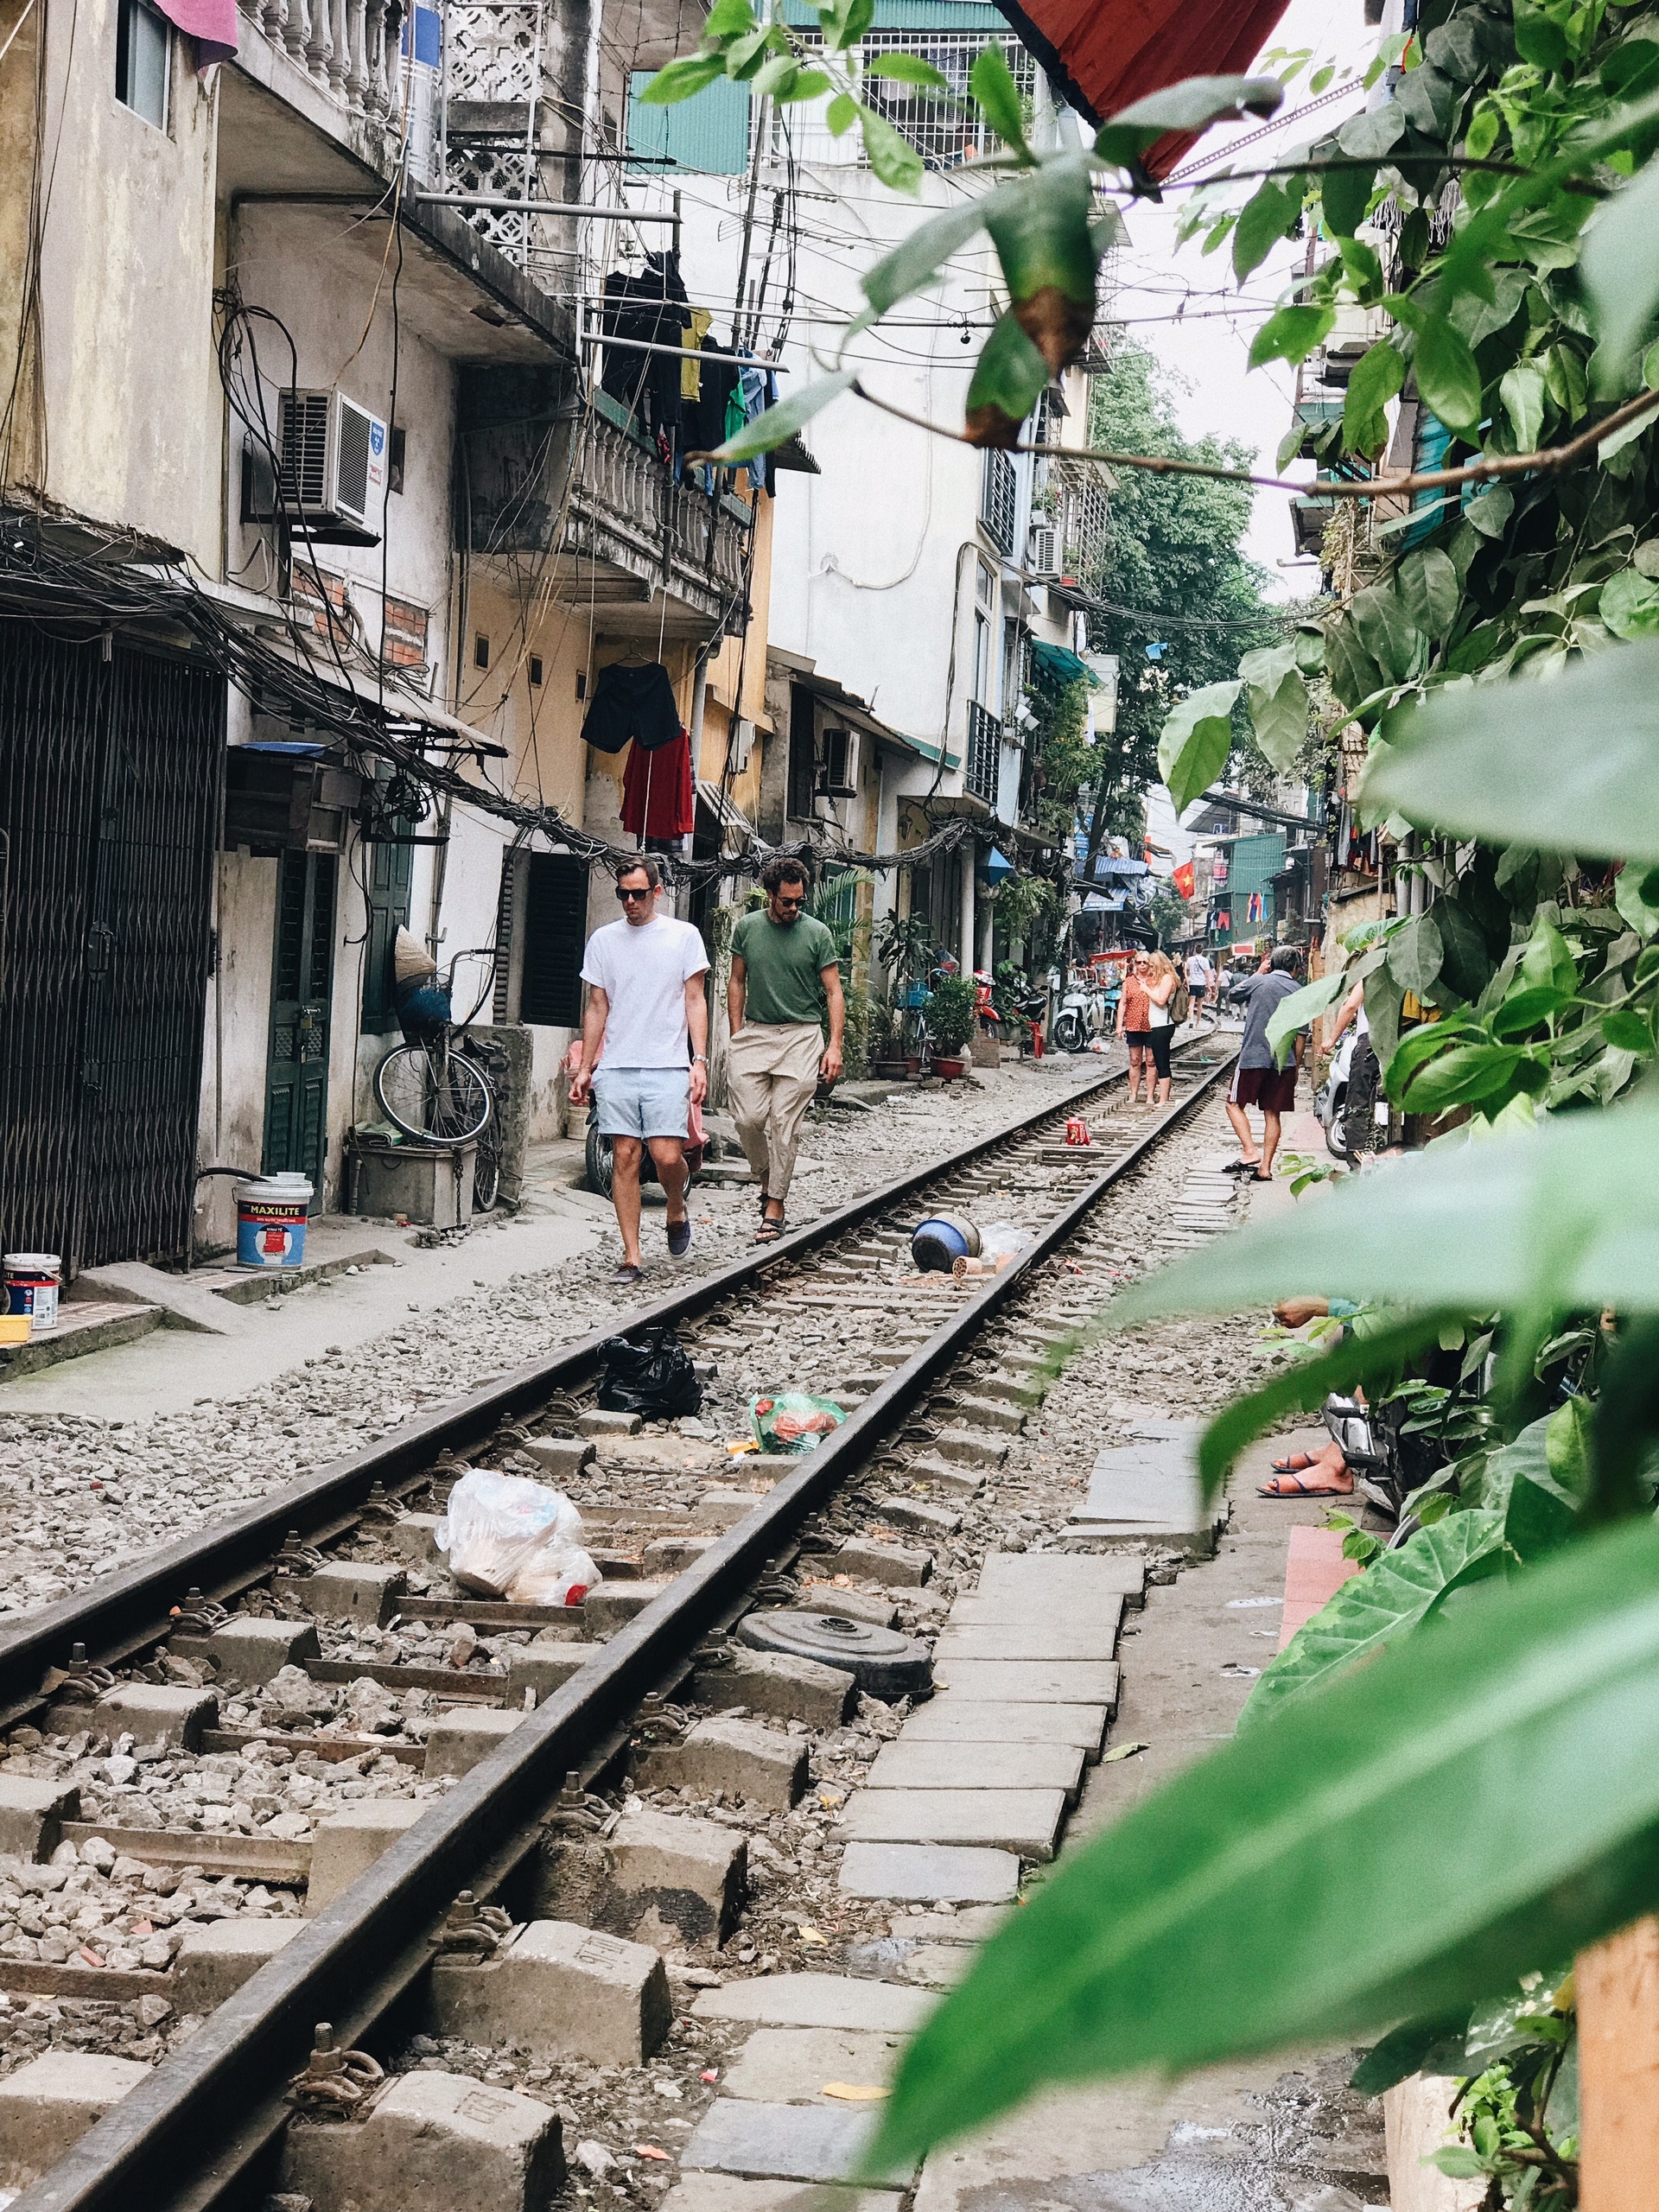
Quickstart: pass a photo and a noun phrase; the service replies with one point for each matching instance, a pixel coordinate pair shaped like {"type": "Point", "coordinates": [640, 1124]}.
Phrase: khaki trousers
{"type": "Point", "coordinates": [771, 1070]}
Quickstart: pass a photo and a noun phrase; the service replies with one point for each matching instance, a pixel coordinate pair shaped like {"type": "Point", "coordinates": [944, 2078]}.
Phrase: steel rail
{"type": "Point", "coordinates": [209, 2119]}
{"type": "Point", "coordinates": [224, 1556]}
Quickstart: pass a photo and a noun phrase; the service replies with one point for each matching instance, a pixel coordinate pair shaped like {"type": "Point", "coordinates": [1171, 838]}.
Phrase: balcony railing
{"type": "Point", "coordinates": [344, 46]}
{"type": "Point", "coordinates": [984, 760]}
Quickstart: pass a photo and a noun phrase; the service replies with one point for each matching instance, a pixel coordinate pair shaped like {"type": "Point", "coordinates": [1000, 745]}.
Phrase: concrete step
{"type": "Point", "coordinates": [1024, 1821]}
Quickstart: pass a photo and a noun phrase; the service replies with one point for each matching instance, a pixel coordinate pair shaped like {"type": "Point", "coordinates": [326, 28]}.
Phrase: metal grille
{"type": "Point", "coordinates": [110, 793]}
{"type": "Point", "coordinates": [946, 130]}
{"type": "Point", "coordinates": [304, 419]}
{"type": "Point", "coordinates": [984, 754]}
{"type": "Point", "coordinates": [493, 61]}
{"type": "Point", "coordinates": [997, 500]}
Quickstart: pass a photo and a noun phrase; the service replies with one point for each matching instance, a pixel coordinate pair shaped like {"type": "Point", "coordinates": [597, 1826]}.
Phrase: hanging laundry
{"type": "Point", "coordinates": [693, 336]}
{"type": "Point", "coordinates": [631, 702]}
{"type": "Point", "coordinates": [651, 308]}
{"type": "Point", "coordinates": [657, 798]}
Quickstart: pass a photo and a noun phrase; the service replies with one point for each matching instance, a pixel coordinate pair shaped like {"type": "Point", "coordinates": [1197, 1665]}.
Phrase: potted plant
{"type": "Point", "coordinates": [951, 1015]}
{"type": "Point", "coordinates": [903, 947]}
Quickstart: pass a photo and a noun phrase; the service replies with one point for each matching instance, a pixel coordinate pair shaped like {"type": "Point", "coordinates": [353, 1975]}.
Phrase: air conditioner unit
{"type": "Point", "coordinates": [1044, 557]}
{"type": "Point", "coordinates": [838, 772]}
{"type": "Point", "coordinates": [334, 458]}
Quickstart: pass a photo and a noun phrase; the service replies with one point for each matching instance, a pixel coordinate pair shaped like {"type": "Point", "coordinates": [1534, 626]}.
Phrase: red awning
{"type": "Point", "coordinates": [1103, 54]}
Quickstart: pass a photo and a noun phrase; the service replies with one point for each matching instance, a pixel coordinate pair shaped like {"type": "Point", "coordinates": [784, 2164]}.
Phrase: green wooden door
{"type": "Point", "coordinates": [296, 1073]}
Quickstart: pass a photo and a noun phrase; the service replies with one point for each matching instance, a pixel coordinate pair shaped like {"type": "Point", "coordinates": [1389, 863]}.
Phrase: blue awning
{"type": "Point", "coordinates": [1095, 903]}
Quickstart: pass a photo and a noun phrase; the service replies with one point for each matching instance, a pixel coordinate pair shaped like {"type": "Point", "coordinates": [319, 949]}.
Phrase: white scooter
{"type": "Point", "coordinates": [1331, 1099]}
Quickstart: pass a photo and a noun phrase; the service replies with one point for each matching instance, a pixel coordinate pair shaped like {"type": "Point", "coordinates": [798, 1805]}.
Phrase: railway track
{"type": "Point", "coordinates": [476, 1735]}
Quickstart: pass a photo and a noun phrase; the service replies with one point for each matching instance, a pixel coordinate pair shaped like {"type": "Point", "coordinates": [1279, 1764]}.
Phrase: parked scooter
{"type": "Point", "coordinates": [1012, 1009]}
{"type": "Point", "coordinates": [1331, 1099]}
{"type": "Point", "coordinates": [1085, 1015]}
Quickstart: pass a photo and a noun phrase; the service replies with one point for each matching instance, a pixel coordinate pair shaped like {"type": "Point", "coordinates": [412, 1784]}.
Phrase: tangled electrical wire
{"type": "Point", "coordinates": [66, 570]}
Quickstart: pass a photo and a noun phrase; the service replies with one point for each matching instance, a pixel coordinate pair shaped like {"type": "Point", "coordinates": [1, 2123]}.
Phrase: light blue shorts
{"type": "Point", "coordinates": [643, 1102]}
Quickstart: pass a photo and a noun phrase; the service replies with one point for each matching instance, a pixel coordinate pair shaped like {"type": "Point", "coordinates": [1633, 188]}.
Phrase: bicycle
{"type": "Point", "coordinates": [443, 1086]}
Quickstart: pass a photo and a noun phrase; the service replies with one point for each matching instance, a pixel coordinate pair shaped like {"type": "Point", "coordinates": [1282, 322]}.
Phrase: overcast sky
{"type": "Point", "coordinates": [1213, 389]}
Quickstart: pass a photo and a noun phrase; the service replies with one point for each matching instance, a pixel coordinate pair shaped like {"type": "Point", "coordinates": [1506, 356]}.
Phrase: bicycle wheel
{"type": "Point", "coordinates": [433, 1093]}
{"type": "Point", "coordinates": [486, 1171]}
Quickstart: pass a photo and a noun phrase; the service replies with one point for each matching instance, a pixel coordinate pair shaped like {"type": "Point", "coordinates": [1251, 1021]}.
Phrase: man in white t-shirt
{"type": "Point", "coordinates": [1199, 976]}
{"type": "Point", "coordinates": [647, 1013]}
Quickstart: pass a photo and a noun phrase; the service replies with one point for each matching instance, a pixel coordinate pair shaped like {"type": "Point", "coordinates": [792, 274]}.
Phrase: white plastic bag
{"type": "Point", "coordinates": [562, 1575]}
{"type": "Point", "coordinates": [1002, 1240]}
{"type": "Point", "coordinates": [497, 1524]}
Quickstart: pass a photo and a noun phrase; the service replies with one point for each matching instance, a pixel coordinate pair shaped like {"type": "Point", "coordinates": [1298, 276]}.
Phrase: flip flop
{"type": "Point", "coordinates": [1296, 1463]}
{"type": "Point", "coordinates": [1298, 1488]}
{"type": "Point", "coordinates": [1262, 1178]}
{"type": "Point", "coordinates": [1240, 1167]}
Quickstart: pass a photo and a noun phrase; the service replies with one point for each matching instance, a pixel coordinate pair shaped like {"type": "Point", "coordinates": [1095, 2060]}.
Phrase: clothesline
{"type": "Point", "coordinates": [685, 352]}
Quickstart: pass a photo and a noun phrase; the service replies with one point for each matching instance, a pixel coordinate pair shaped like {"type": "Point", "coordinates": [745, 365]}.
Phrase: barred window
{"type": "Point", "coordinates": [946, 130]}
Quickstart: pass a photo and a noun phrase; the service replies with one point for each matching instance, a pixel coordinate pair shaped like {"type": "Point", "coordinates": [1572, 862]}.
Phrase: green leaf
{"type": "Point", "coordinates": [1446, 375]}
{"type": "Point", "coordinates": [1564, 1218]}
{"type": "Point", "coordinates": [729, 19]}
{"type": "Point", "coordinates": [1361, 267]}
{"type": "Point", "coordinates": [1192, 104]}
{"type": "Point", "coordinates": [1278, 701]}
{"type": "Point", "coordinates": [1458, 2161]}
{"type": "Point", "coordinates": [777, 78]}
{"type": "Point", "coordinates": [1372, 132]}
{"type": "Point", "coordinates": [1290, 334]}
{"type": "Point", "coordinates": [1414, 954]}
{"type": "Point", "coordinates": [1197, 738]}
{"type": "Point", "coordinates": [677, 81]}
{"type": "Point", "coordinates": [1344, 194]}
{"type": "Point", "coordinates": [1570, 765]}
{"type": "Point", "coordinates": [1465, 1075]}
{"type": "Point", "coordinates": [1626, 1031]}
{"type": "Point", "coordinates": [1620, 267]}
{"type": "Point", "coordinates": [840, 115]}
{"type": "Point", "coordinates": [891, 155]}
{"type": "Point", "coordinates": [1378, 375]}
{"type": "Point", "coordinates": [1267, 216]}
{"type": "Point", "coordinates": [1009, 377]}
{"type": "Point", "coordinates": [1391, 1598]}
{"type": "Point", "coordinates": [1630, 605]}
{"type": "Point", "coordinates": [1629, 897]}
{"type": "Point", "coordinates": [781, 422]}
{"type": "Point", "coordinates": [1429, 589]}
{"type": "Point", "coordinates": [991, 82]}
{"type": "Point", "coordinates": [1043, 241]}
{"type": "Point", "coordinates": [915, 264]}
{"type": "Point", "coordinates": [1499, 1780]}
{"type": "Point", "coordinates": [1524, 1010]}
{"type": "Point", "coordinates": [1300, 1008]}
{"type": "Point", "coordinates": [908, 69]}
{"type": "Point", "coordinates": [1522, 391]}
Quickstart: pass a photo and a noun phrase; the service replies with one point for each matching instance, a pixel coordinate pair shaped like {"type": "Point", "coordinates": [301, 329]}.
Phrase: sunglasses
{"type": "Point", "coordinates": [780, 900]}
{"type": "Point", "coordinates": [647, 893]}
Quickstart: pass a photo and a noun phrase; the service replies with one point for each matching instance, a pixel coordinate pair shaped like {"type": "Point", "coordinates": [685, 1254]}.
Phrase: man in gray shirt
{"type": "Point", "coordinates": [1256, 1081]}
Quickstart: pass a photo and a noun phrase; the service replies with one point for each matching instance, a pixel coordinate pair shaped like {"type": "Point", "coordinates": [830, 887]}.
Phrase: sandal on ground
{"type": "Point", "coordinates": [1262, 1178]}
{"type": "Point", "coordinates": [1241, 1167]}
{"type": "Point", "coordinates": [769, 1230]}
{"type": "Point", "coordinates": [1296, 1463]}
{"type": "Point", "coordinates": [1276, 1488]}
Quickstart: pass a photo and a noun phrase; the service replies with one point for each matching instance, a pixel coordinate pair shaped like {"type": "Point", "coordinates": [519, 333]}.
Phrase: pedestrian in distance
{"type": "Point", "coordinates": [1163, 981]}
{"type": "Point", "coordinates": [784, 991]}
{"type": "Point", "coordinates": [647, 1013]}
{"type": "Point", "coordinates": [1257, 1079]}
{"type": "Point", "coordinates": [1199, 976]}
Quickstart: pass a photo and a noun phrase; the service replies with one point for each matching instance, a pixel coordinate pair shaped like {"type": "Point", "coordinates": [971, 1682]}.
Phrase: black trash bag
{"type": "Point", "coordinates": [651, 1375]}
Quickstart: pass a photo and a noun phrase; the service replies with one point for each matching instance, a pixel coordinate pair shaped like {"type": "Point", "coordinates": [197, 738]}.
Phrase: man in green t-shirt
{"type": "Point", "coordinates": [784, 982]}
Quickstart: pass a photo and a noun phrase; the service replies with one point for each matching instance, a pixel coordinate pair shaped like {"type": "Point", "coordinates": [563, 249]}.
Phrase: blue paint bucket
{"type": "Point", "coordinates": [271, 1218]}
{"type": "Point", "coordinates": [938, 1242]}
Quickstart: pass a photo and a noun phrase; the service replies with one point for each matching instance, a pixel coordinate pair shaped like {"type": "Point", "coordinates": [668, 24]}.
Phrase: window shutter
{"type": "Point", "coordinates": [556, 914]}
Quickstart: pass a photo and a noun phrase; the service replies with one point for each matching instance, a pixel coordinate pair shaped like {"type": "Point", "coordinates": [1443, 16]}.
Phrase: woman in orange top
{"type": "Point", "coordinates": [1133, 1025]}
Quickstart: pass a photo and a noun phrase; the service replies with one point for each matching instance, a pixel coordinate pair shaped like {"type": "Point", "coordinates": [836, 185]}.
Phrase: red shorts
{"type": "Point", "coordinates": [1274, 1090]}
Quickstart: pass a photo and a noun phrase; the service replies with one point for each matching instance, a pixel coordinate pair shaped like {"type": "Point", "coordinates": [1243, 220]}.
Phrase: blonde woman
{"type": "Point", "coordinates": [1161, 982]}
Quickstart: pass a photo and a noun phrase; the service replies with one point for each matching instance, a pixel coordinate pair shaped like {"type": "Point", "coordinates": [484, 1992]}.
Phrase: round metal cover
{"type": "Point", "coordinates": [886, 1664]}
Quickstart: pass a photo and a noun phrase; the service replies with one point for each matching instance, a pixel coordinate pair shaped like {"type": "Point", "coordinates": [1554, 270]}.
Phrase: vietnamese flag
{"type": "Point", "coordinates": [1183, 879]}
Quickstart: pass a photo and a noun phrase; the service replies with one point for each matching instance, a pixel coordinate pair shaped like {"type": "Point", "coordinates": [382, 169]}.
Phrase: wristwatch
{"type": "Point", "coordinates": [704, 1057]}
